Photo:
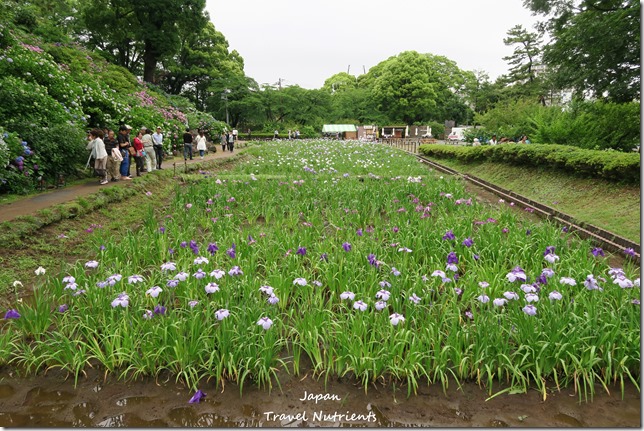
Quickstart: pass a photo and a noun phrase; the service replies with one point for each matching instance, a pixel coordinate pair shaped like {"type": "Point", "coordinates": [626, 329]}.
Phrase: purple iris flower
{"type": "Point", "coordinates": [217, 273]}
{"type": "Point", "coordinates": [212, 248]}
{"type": "Point", "coordinates": [154, 291]}
{"type": "Point", "coordinates": [324, 257]}
{"type": "Point", "coordinates": [347, 295]}
{"type": "Point", "coordinates": [162, 229]}
{"type": "Point", "coordinates": [476, 257]}
{"type": "Point", "coordinates": [483, 298]}
{"type": "Point", "coordinates": [12, 314]}
{"type": "Point", "coordinates": [122, 300]}
{"type": "Point", "coordinates": [505, 230]}
{"type": "Point", "coordinates": [159, 309]}
{"type": "Point", "coordinates": [222, 313]}
{"type": "Point", "coordinates": [235, 270]}
{"type": "Point", "coordinates": [528, 232]}
{"type": "Point", "coordinates": [395, 229]}
{"type": "Point", "coordinates": [383, 294]}
{"type": "Point", "coordinates": [171, 251]}
{"type": "Point", "coordinates": [346, 246]}
{"type": "Point", "coordinates": [511, 295]}
{"type": "Point", "coordinates": [549, 250]}
{"type": "Point", "coordinates": [359, 232]}
{"type": "Point", "coordinates": [629, 251]}
{"type": "Point", "coordinates": [597, 252]}
{"type": "Point", "coordinates": [212, 288]}
{"type": "Point", "coordinates": [231, 253]}
{"type": "Point", "coordinates": [183, 244]}
{"type": "Point", "coordinates": [273, 299]}
{"type": "Point", "coordinates": [380, 305]}
{"type": "Point", "coordinates": [172, 283]}
{"type": "Point", "coordinates": [194, 247]}
{"type": "Point", "coordinates": [449, 235]}
{"type": "Point", "coordinates": [452, 259]}
{"type": "Point", "coordinates": [251, 240]}
{"type": "Point", "coordinates": [468, 242]}
{"type": "Point", "coordinates": [555, 296]}
{"type": "Point", "coordinates": [530, 310]}
{"type": "Point", "coordinates": [301, 251]}
{"type": "Point", "coordinates": [266, 289]}
{"type": "Point", "coordinates": [372, 260]}
{"type": "Point", "coordinates": [564, 229]}
{"type": "Point", "coordinates": [198, 396]}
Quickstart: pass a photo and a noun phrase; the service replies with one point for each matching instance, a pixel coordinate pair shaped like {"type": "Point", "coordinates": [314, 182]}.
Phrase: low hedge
{"type": "Point", "coordinates": [610, 165]}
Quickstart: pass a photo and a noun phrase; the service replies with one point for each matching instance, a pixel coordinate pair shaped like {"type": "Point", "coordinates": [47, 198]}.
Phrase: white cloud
{"type": "Point", "coordinates": [305, 42]}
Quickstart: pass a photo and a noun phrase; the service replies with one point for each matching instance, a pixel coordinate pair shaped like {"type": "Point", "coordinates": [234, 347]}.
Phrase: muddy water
{"type": "Point", "coordinates": [52, 401]}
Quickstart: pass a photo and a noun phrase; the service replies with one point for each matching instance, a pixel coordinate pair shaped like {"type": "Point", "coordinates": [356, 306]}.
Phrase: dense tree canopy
{"type": "Point", "coordinates": [413, 87]}
{"type": "Point", "coordinates": [136, 33]}
{"type": "Point", "coordinates": [595, 48]}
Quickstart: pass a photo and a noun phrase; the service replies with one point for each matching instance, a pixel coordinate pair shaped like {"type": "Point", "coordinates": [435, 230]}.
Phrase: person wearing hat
{"type": "Point", "coordinates": [157, 139]}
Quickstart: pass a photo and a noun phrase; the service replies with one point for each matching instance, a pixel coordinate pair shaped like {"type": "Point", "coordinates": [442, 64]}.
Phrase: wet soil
{"type": "Point", "coordinates": [52, 401]}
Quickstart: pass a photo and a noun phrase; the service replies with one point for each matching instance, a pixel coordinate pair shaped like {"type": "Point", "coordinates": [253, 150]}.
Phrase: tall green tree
{"type": "Point", "coordinates": [138, 34]}
{"type": "Point", "coordinates": [202, 60]}
{"type": "Point", "coordinates": [527, 50]}
{"type": "Point", "coordinates": [595, 47]}
{"type": "Point", "coordinates": [414, 88]}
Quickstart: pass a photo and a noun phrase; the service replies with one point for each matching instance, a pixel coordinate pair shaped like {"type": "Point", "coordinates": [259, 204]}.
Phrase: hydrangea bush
{"type": "Point", "coordinates": [53, 93]}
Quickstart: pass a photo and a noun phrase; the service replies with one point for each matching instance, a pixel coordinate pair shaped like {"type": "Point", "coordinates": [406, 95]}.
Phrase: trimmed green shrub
{"type": "Point", "coordinates": [608, 164]}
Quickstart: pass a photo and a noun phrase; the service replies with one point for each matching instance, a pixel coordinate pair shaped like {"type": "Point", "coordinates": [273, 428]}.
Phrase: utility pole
{"type": "Point", "coordinates": [348, 69]}
{"type": "Point", "coordinates": [225, 97]}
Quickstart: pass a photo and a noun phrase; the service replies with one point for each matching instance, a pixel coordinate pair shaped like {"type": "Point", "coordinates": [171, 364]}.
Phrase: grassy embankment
{"type": "Point", "coordinates": [614, 207]}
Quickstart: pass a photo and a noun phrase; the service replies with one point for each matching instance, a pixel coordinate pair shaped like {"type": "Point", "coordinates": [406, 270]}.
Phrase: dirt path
{"type": "Point", "coordinates": [31, 204]}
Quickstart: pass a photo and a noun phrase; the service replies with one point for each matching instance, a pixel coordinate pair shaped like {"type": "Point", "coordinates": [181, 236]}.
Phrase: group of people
{"type": "Point", "coordinates": [113, 155]}
{"type": "Point", "coordinates": [292, 134]}
{"type": "Point", "coordinates": [228, 139]}
{"type": "Point", "coordinates": [189, 139]}
{"type": "Point", "coordinates": [493, 141]}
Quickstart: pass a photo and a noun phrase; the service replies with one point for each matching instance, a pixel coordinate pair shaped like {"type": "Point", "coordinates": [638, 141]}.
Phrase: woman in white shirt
{"type": "Point", "coordinates": [201, 143]}
{"type": "Point", "coordinates": [97, 146]}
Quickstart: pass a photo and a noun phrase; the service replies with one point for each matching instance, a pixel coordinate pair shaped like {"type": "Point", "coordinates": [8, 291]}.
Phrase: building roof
{"type": "Point", "coordinates": [333, 128]}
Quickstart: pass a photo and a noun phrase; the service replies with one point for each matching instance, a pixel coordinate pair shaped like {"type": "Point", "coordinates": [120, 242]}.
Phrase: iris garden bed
{"type": "Point", "coordinates": [350, 257]}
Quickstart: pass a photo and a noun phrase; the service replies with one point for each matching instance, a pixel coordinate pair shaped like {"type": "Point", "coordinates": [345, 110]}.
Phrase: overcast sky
{"type": "Point", "coordinates": [306, 42]}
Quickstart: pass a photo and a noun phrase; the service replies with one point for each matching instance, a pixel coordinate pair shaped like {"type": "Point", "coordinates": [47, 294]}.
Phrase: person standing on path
{"type": "Point", "coordinates": [150, 154]}
{"type": "Point", "coordinates": [201, 144]}
{"type": "Point", "coordinates": [157, 141]}
{"type": "Point", "coordinates": [123, 140]}
{"type": "Point", "coordinates": [231, 142]}
{"type": "Point", "coordinates": [138, 157]}
{"type": "Point", "coordinates": [97, 147]}
{"type": "Point", "coordinates": [187, 144]}
{"type": "Point", "coordinates": [223, 138]}
{"type": "Point", "coordinates": [112, 165]}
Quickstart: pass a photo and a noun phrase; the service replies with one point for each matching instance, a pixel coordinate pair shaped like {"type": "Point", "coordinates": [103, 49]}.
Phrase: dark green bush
{"type": "Point", "coordinates": [608, 164]}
